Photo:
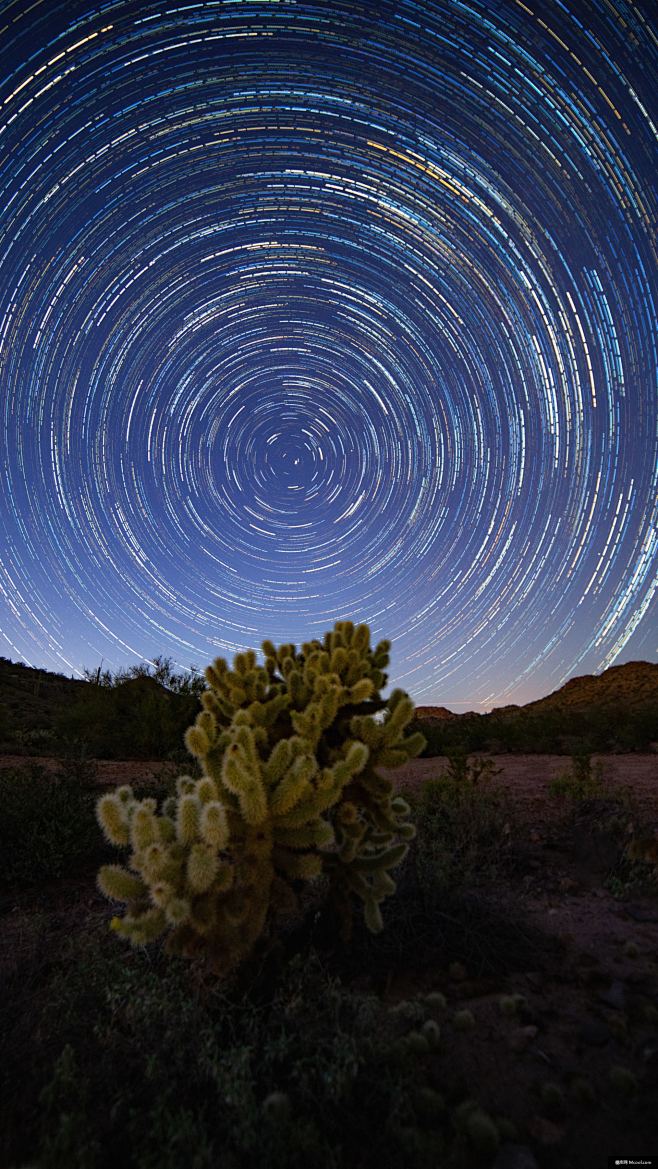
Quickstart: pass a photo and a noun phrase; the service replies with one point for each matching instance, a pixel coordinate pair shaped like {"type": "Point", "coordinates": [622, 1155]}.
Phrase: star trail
{"type": "Point", "coordinates": [317, 311]}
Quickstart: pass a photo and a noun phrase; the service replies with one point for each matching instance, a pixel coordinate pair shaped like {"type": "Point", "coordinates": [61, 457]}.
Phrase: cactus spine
{"type": "Point", "coordinates": [290, 792]}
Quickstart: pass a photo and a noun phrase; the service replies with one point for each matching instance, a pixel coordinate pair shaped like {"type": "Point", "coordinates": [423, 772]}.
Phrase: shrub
{"type": "Point", "coordinates": [135, 718]}
{"type": "Point", "coordinates": [462, 827]}
{"type": "Point", "coordinates": [636, 870]}
{"type": "Point", "coordinates": [124, 1062]}
{"type": "Point", "coordinates": [289, 794]}
{"type": "Point", "coordinates": [582, 781]}
{"type": "Point", "coordinates": [46, 824]}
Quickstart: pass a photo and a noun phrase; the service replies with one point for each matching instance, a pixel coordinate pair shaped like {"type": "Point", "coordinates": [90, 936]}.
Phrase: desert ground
{"type": "Point", "coordinates": [562, 922]}
{"type": "Point", "coordinates": [525, 777]}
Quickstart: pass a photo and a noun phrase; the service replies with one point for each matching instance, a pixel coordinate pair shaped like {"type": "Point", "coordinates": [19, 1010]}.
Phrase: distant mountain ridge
{"type": "Point", "coordinates": [616, 710]}
{"type": "Point", "coordinates": [633, 684]}
{"type": "Point", "coordinates": [440, 712]}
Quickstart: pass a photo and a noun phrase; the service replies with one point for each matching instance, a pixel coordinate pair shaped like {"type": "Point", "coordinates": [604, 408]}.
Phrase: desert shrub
{"type": "Point", "coordinates": [468, 733]}
{"type": "Point", "coordinates": [583, 780]}
{"type": "Point", "coordinates": [637, 728]}
{"type": "Point", "coordinates": [36, 741]}
{"type": "Point", "coordinates": [463, 826]}
{"type": "Point", "coordinates": [636, 869]}
{"type": "Point", "coordinates": [47, 824]}
{"type": "Point", "coordinates": [289, 794]}
{"type": "Point", "coordinates": [603, 819]}
{"type": "Point", "coordinates": [465, 771]}
{"type": "Point", "coordinates": [434, 732]}
{"type": "Point", "coordinates": [136, 718]}
{"type": "Point", "coordinates": [67, 1134]}
{"type": "Point", "coordinates": [593, 806]}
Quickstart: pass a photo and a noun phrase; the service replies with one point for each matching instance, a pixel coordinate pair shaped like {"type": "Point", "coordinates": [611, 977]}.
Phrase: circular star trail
{"type": "Point", "coordinates": [316, 311]}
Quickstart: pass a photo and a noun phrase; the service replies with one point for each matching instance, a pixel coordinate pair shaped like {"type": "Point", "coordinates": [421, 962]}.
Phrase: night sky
{"type": "Point", "coordinates": [312, 311]}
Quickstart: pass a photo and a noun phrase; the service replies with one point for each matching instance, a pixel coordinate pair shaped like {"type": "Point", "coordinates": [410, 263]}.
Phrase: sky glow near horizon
{"type": "Point", "coordinates": [312, 311]}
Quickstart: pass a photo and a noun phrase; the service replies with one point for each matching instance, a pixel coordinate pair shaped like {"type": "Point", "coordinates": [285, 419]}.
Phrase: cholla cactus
{"type": "Point", "coordinates": [290, 792]}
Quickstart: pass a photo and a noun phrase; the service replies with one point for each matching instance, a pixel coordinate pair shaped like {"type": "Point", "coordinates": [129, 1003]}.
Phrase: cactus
{"type": "Point", "coordinates": [290, 792]}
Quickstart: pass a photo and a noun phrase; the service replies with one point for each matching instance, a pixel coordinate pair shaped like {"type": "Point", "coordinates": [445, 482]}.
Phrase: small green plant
{"type": "Point", "coordinates": [290, 792]}
{"type": "Point", "coordinates": [583, 780]}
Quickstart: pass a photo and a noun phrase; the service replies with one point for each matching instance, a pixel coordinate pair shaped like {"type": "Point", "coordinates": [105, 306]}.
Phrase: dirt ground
{"type": "Point", "coordinates": [568, 854]}
{"type": "Point", "coordinates": [109, 772]}
{"type": "Point", "coordinates": [590, 998]}
{"type": "Point", "coordinates": [526, 777]}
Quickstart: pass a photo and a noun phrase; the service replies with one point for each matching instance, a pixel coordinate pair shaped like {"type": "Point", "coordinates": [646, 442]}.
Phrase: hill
{"type": "Point", "coordinates": [633, 684]}
{"type": "Point", "coordinates": [440, 712]}
{"type": "Point", "coordinates": [129, 716]}
{"type": "Point", "coordinates": [613, 711]}
{"type": "Point", "coordinates": [31, 701]}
